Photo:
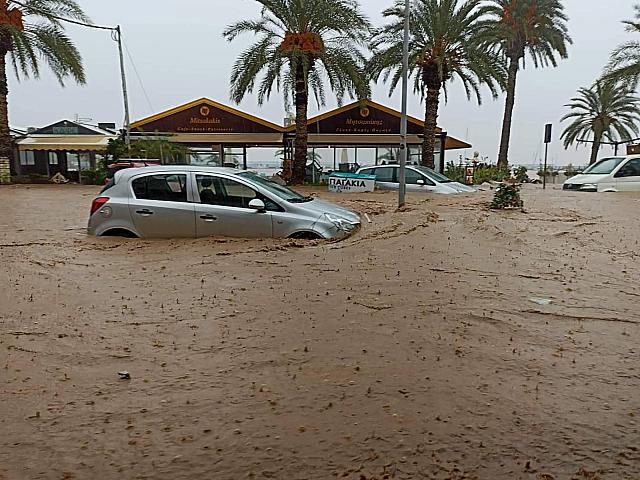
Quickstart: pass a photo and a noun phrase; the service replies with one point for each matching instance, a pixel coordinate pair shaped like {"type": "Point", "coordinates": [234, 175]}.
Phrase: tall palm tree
{"type": "Point", "coordinates": [444, 45]}
{"type": "Point", "coordinates": [606, 110]}
{"type": "Point", "coordinates": [300, 44]}
{"type": "Point", "coordinates": [31, 33]}
{"type": "Point", "coordinates": [625, 60]}
{"type": "Point", "coordinates": [520, 27]}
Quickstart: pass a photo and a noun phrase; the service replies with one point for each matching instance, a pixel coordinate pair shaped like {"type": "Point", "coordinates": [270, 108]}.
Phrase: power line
{"type": "Point", "coordinates": [63, 19]}
{"type": "Point", "coordinates": [135, 69]}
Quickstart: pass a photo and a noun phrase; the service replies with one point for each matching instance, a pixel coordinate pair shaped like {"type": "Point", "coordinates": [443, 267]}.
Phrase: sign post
{"type": "Point", "coordinates": [404, 150]}
{"type": "Point", "coordinates": [547, 140]}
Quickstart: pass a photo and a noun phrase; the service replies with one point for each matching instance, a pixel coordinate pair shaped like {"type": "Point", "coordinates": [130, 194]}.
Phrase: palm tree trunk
{"type": "Point", "coordinates": [595, 148]}
{"type": "Point", "coordinates": [503, 156]}
{"type": "Point", "coordinates": [6, 143]}
{"type": "Point", "coordinates": [302, 131]}
{"type": "Point", "coordinates": [430, 125]}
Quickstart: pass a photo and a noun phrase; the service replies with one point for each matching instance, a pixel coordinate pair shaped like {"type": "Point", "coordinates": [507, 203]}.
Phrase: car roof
{"type": "Point", "coordinates": [127, 173]}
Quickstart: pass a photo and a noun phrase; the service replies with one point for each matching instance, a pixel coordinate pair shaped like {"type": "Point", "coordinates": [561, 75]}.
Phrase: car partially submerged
{"type": "Point", "coordinates": [188, 201]}
{"type": "Point", "coordinates": [614, 174]}
{"type": "Point", "coordinates": [418, 179]}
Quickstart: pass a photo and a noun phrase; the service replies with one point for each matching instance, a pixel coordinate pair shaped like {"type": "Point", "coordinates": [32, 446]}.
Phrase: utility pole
{"type": "Point", "coordinates": [404, 150]}
{"type": "Point", "coordinates": [547, 140]}
{"type": "Point", "coordinates": [125, 94]}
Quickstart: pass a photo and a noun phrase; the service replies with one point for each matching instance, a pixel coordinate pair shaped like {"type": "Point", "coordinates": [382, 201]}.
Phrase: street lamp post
{"type": "Point", "coordinates": [404, 151]}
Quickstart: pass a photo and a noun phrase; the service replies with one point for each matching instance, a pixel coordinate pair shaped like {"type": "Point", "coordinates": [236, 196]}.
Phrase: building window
{"type": "Point", "coordinates": [72, 162]}
{"type": "Point", "coordinates": [27, 158]}
{"type": "Point", "coordinates": [85, 161]}
{"type": "Point", "coordinates": [53, 158]}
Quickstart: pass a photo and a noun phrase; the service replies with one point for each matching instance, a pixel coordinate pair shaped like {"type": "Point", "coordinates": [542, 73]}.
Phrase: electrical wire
{"type": "Point", "coordinates": [135, 69]}
{"type": "Point", "coordinates": [63, 19]}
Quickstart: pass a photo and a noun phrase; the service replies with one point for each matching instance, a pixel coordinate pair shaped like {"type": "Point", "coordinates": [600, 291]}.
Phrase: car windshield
{"type": "Point", "coordinates": [604, 166]}
{"type": "Point", "coordinates": [432, 174]}
{"type": "Point", "coordinates": [278, 190]}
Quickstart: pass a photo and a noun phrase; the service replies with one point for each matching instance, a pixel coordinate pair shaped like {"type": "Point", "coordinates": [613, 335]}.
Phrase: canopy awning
{"type": "Point", "coordinates": [378, 140]}
{"type": "Point", "coordinates": [225, 138]}
{"type": "Point", "coordinates": [71, 143]}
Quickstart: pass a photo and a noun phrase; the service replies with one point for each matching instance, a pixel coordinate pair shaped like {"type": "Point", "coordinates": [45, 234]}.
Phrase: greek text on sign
{"type": "Point", "coordinates": [352, 183]}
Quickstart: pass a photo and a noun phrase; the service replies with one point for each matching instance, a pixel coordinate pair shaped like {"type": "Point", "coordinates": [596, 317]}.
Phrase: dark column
{"type": "Point", "coordinates": [443, 145]}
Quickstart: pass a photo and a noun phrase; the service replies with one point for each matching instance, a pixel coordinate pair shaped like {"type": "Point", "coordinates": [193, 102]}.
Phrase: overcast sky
{"type": "Point", "coordinates": [179, 55]}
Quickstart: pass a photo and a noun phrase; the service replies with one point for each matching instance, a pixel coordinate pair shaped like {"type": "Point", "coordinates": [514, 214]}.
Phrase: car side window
{"type": "Point", "coordinates": [413, 177]}
{"type": "Point", "coordinates": [166, 188]}
{"type": "Point", "coordinates": [631, 169]}
{"type": "Point", "coordinates": [229, 193]}
{"type": "Point", "coordinates": [385, 174]}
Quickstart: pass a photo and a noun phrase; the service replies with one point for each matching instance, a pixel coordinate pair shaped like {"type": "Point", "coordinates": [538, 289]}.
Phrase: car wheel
{"type": "Point", "coordinates": [119, 232]}
{"type": "Point", "coordinates": [306, 236]}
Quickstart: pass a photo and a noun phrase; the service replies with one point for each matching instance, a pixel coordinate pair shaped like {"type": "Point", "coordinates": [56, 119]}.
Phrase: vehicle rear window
{"type": "Point", "coordinates": [108, 185]}
{"type": "Point", "coordinates": [166, 188]}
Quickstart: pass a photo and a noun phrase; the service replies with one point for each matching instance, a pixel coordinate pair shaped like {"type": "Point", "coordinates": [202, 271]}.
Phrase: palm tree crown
{"type": "Point", "coordinates": [444, 45]}
{"type": "Point", "coordinates": [534, 27]}
{"type": "Point", "coordinates": [302, 43]}
{"type": "Point", "coordinates": [520, 27]}
{"type": "Point", "coordinates": [606, 110]}
{"type": "Point", "coordinates": [37, 35]}
{"type": "Point", "coordinates": [625, 60]}
{"type": "Point", "coordinates": [32, 33]}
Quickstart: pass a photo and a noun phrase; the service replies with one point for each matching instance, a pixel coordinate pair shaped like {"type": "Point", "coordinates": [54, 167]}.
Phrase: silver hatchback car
{"type": "Point", "coordinates": [186, 201]}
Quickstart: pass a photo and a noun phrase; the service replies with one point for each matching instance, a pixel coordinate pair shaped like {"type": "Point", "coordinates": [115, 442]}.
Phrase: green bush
{"type": "Point", "coordinates": [455, 172]}
{"type": "Point", "coordinates": [94, 177]}
{"type": "Point", "coordinates": [489, 173]}
{"type": "Point", "coordinates": [520, 174]}
{"type": "Point", "coordinates": [507, 196]}
{"type": "Point", "coordinates": [571, 171]}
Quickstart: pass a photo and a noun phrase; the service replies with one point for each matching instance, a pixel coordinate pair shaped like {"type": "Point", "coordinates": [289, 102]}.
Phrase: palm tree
{"type": "Point", "coordinates": [31, 33]}
{"type": "Point", "coordinates": [606, 110]}
{"type": "Point", "coordinates": [444, 45]}
{"type": "Point", "coordinates": [300, 44]}
{"type": "Point", "coordinates": [520, 27]}
{"type": "Point", "coordinates": [625, 60]}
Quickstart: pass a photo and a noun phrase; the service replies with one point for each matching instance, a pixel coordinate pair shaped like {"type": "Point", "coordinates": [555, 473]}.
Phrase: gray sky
{"type": "Point", "coordinates": [180, 55]}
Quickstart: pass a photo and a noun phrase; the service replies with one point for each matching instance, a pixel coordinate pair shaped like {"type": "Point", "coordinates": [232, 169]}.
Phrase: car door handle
{"type": "Point", "coordinates": [208, 218]}
{"type": "Point", "coordinates": [144, 212]}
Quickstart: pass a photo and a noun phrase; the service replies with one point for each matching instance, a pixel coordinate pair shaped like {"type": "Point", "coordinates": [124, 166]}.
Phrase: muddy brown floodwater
{"type": "Point", "coordinates": [412, 350]}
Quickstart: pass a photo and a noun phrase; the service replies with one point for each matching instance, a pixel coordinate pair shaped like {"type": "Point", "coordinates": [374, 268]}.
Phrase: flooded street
{"type": "Point", "coordinates": [424, 346]}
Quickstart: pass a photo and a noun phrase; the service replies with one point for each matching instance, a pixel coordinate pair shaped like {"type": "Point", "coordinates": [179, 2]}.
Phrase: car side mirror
{"type": "Point", "coordinates": [420, 182]}
{"type": "Point", "coordinates": [258, 205]}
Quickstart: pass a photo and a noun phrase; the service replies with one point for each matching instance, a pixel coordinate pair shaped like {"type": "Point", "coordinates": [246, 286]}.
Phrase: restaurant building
{"type": "Point", "coordinates": [361, 132]}
{"type": "Point", "coordinates": [364, 133]}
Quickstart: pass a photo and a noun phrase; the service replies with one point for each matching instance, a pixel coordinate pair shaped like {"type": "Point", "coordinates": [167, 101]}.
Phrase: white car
{"type": "Point", "coordinates": [615, 174]}
{"type": "Point", "coordinates": [419, 179]}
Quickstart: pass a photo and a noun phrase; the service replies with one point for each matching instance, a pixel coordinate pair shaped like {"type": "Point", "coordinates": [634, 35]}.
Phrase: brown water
{"type": "Point", "coordinates": [411, 350]}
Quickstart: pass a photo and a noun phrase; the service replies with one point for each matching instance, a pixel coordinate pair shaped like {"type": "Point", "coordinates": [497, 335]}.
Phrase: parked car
{"type": "Point", "coordinates": [419, 179]}
{"type": "Point", "coordinates": [183, 201]}
{"type": "Point", "coordinates": [614, 174]}
{"type": "Point", "coordinates": [123, 163]}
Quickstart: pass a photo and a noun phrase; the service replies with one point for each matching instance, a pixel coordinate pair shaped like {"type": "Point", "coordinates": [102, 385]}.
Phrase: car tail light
{"type": "Point", "coordinates": [98, 203]}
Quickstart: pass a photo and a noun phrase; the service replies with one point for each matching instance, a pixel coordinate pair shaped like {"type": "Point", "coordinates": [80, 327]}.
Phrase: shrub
{"type": "Point", "coordinates": [507, 196]}
{"type": "Point", "coordinates": [520, 174]}
{"type": "Point", "coordinates": [94, 177]}
{"type": "Point", "coordinates": [489, 173]}
{"type": "Point", "coordinates": [455, 172]}
{"type": "Point", "coordinates": [571, 171]}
